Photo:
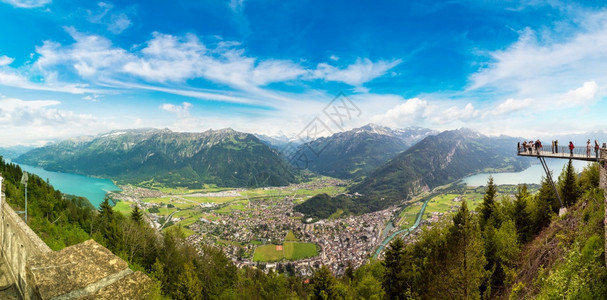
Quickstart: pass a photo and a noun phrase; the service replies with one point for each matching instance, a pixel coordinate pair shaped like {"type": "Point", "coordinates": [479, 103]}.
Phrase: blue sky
{"type": "Point", "coordinates": [524, 68]}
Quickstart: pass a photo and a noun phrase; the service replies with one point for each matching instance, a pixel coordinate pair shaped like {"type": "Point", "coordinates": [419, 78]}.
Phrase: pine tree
{"type": "Point", "coordinates": [137, 215]}
{"type": "Point", "coordinates": [189, 285]}
{"type": "Point", "coordinates": [521, 215]}
{"type": "Point", "coordinates": [487, 208]}
{"type": "Point", "coordinates": [568, 186]}
{"type": "Point", "coordinates": [105, 209]}
{"type": "Point", "coordinates": [323, 285]}
{"type": "Point", "coordinates": [393, 281]}
{"type": "Point", "coordinates": [545, 205]}
{"type": "Point", "coordinates": [464, 258]}
{"type": "Point", "coordinates": [547, 193]}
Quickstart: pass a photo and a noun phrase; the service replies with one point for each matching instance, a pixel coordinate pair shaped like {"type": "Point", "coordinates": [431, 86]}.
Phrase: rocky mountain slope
{"type": "Point", "coordinates": [438, 160]}
{"type": "Point", "coordinates": [355, 153]}
{"type": "Point", "coordinates": [432, 162]}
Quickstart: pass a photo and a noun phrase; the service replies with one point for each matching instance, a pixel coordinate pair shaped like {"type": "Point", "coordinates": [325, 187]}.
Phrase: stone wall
{"type": "Point", "coordinates": [18, 242]}
{"type": "Point", "coordinates": [83, 271]}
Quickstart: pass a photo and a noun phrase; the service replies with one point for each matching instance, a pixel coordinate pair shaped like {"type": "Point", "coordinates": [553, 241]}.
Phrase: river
{"type": "Point", "coordinates": [94, 189]}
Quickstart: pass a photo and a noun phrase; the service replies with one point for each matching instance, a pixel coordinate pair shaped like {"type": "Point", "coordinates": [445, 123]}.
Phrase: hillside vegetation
{"type": "Point", "coordinates": [162, 158]}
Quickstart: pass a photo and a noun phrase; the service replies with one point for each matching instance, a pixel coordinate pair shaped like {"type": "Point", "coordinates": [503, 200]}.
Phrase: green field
{"type": "Point", "coordinates": [296, 251]}
{"type": "Point", "coordinates": [441, 203]}
{"type": "Point", "coordinates": [123, 207]}
{"type": "Point", "coordinates": [291, 237]}
{"type": "Point", "coordinates": [268, 253]}
{"type": "Point", "coordinates": [291, 251]}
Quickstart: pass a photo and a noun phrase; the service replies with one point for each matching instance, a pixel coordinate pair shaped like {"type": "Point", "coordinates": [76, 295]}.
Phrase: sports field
{"type": "Point", "coordinates": [288, 251]}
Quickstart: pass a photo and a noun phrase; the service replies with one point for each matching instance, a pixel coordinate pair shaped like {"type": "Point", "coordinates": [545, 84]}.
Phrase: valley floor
{"type": "Point", "coordinates": [256, 226]}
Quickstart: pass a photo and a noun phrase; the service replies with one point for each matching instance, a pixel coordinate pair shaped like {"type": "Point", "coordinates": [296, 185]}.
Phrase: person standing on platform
{"type": "Point", "coordinates": [556, 146]}
{"type": "Point", "coordinates": [588, 148]}
{"type": "Point", "coordinates": [571, 147]}
{"type": "Point", "coordinates": [596, 148]}
{"type": "Point", "coordinates": [552, 146]}
{"type": "Point", "coordinates": [518, 148]}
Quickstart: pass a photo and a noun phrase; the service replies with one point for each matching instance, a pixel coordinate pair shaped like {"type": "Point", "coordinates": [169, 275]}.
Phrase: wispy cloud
{"type": "Point", "coordinates": [12, 78]}
{"type": "Point", "coordinates": [166, 60]}
{"type": "Point", "coordinates": [116, 22]}
{"type": "Point", "coordinates": [236, 5]}
{"type": "Point", "coordinates": [362, 71]}
{"type": "Point", "coordinates": [27, 3]}
{"type": "Point", "coordinates": [180, 110]}
{"type": "Point", "coordinates": [549, 61]}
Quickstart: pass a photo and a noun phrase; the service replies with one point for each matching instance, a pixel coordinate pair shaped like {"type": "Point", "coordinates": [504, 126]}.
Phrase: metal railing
{"type": "Point", "coordinates": [562, 151]}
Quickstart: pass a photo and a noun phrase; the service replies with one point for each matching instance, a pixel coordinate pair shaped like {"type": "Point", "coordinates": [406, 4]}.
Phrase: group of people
{"type": "Point", "coordinates": [596, 148]}
{"type": "Point", "coordinates": [536, 147]}
{"type": "Point", "coordinates": [531, 146]}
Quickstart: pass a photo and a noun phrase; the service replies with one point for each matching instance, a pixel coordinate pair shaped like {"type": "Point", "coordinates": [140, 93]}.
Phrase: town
{"type": "Point", "coordinates": [239, 223]}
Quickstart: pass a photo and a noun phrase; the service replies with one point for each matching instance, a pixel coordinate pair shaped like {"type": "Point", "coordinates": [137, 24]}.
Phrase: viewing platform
{"type": "Point", "coordinates": [578, 153]}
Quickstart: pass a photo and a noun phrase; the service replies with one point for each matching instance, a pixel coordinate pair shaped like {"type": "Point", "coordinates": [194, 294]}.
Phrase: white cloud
{"type": "Point", "coordinates": [115, 22]}
{"type": "Point", "coordinates": [26, 122]}
{"type": "Point", "coordinates": [409, 112]}
{"type": "Point", "coordinates": [431, 114]}
{"type": "Point", "coordinates": [512, 105]}
{"type": "Point", "coordinates": [276, 71]}
{"type": "Point", "coordinates": [5, 60]}
{"type": "Point", "coordinates": [549, 62]}
{"type": "Point", "coordinates": [334, 57]}
{"type": "Point", "coordinates": [362, 71]}
{"type": "Point", "coordinates": [92, 98]}
{"type": "Point", "coordinates": [119, 23]}
{"type": "Point", "coordinates": [91, 56]}
{"type": "Point", "coordinates": [581, 96]}
{"type": "Point", "coordinates": [167, 62]}
{"type": "Point", "coordinates": [181, 110]}
{"type": "Point", "coordinates": [27, 3]}
{"type": "Point", "coordinates": [455, 114]}
{"type": "Point", "coordinates": [168, 58]}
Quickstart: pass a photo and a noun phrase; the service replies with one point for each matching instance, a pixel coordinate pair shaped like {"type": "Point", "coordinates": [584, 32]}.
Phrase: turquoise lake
{"type": "Point", "coordinates": [92, 188]}
{"type": "Point", "coordinates": [530, 175]}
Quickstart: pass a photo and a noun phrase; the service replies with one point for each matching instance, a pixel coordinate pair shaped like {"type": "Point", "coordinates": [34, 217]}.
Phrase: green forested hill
{"type": "Point", "coordinates": [162, 157]}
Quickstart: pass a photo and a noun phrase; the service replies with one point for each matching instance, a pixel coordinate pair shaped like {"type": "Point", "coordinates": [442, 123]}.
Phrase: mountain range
{"type": "Point", "coordinates": [434, 161]}
{"type": "Point", "coordinates": [388, 165]}
{"type": "Point", "coordinates": [357, 152]}
{"type": "Point", "coordinates": [154, 157]}
{"type": "Point", "coordinates": [14, 151]}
